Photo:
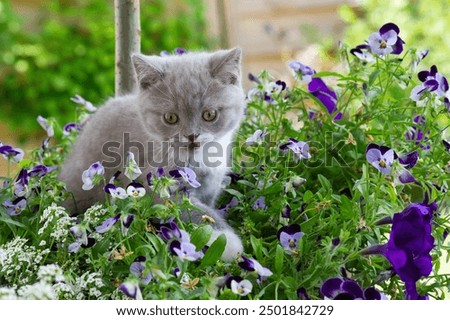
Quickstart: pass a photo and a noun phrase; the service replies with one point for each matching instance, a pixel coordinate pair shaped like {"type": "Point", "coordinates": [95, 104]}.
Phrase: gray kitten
{"type": "Point", "coordinates": [185, 114]}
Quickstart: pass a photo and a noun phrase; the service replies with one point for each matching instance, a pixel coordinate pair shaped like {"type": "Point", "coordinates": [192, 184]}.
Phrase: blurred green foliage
{"type": "Point", "coordinates": [73, 53]}
{"type": "Point", "coordinates": [422, 22]}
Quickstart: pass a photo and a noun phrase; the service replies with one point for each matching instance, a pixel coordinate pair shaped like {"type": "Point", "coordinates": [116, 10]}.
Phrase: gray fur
{"type": "Point", "coordinates": [186, 85]}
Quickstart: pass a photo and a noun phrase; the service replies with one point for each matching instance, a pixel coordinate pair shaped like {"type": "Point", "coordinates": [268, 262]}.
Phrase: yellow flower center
{"type": "Point", "coordinates": [382, 163]}
{"type": "Point", "coordinates": [292, 243]}
{"type": "Point", "coordinates": [240, 290]}
{"type": "Point", "coordinates": [17, 209]}
{"type": "Point", "coordinates": [135, 194]}
{"type": "Point", "coordinates": [383, 44]}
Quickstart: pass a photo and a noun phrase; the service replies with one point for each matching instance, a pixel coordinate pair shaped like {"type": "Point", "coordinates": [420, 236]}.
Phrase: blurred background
{"type": "Point", "coordinates": [51, 50]}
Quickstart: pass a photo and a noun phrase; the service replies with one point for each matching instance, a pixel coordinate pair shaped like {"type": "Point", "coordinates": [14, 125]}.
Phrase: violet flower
{"type": "Point", "coordinates": [346, 289]}
{"type": "Point", "coordinates": [259, 204]}
{"type": "Point", "coordinates": [328, 97]}
{"type": "Point", "coordinates": [301, 71]}
{"type": "Point", "coordinates": [107, 224]}
{"type": "Point", "coordinates": [21, 184]}
{"type": "Point", "coordinates": [83, 102]}
{"type": "Point", "coordinates": [250, 264]}
{"type": "Point", "coordinates": [92, 175]}
{"type": "Point", "coordinates": [256, 137]}
{"type": "Point", "coordinates": [233, 203]}
{"type": "Point", "coordinates": [242, 288]}
{"type": "Point", "coordinates": [10, 153]}
{"type": "Point", "coordinates": [46, 125]}
{"type": "Point", "coordinates": [187, 175]}
{"type": "Point", "coordinates": [132, 170]}
{"type": "Point", "coordinates": [126, 223]}
{"type": "Point", "coordinates": [116, 192]}
{"type": "Point", "coordinates": [185, 250]}
{"type": "Point", "coordinates": [289, 237]}
{"type": "Point", "coordinates": [131, 289]}
{"type": "Point", "coordinates": [381, 157]}
{"type": "Point", "coordinates": [41, 170]}
{"type": "Point", "coordinates": [415, 134]}
{"type": "Point", "coordinates": [302, 294]}
{"type": "Point", "coordinates": [136, 190]}
{"type": "Point", "coordinates": [362, 53]}
{"type": "Point", "coordinates": [299, 148]}
{"type": "Point", "coordinates": [15, 207]}
{"type": "Point", "coordinates": [71, 127]}
{"type": "Point", "coordinates": [139, 270]}
{"type": "Point", "coordinates": [409, 245]}
{"type": "Point", "coordinates": [433, 82]}
{"type": "Point", "coordinates": [286, 211]}
{"type": "Point", "coordinates": [386, 40]}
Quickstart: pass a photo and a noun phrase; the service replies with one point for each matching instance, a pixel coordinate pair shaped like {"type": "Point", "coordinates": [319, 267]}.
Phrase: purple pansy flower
{"type": "Point", "coordinates": [92, 175]}
{"type": "Point", "coordinates": [275, 88]}
{"type": "Point", "coordinates": [131, 289]}
{"type": "Point", "coordinates": [138, 269]}
{"type": "Point", "coordinates": [289, 237]}
{"type": "Point", "coordinates": [286, 211]}
{"type": "Point", "coordinates": [416, 134]}
{"type": "Point", "coordinates": [187, 174]}
{"type": "Point", "coordinates": [107, 224]}
{"type": "Point", "coordinates": [328, 97]}
{"type": "Point", "coordinates": [15, 207]}
{"type": "Point", "coordinates": [301, 71]}
{"type": "Point", "coordinates": [185, 250]}
{"type": "Point", "coordinates": [132, 170]}
{"type": "Point", "coordinates": [135, 190]}
{"type": "Point", "coordinates": [259, 204]}
{"type": "Point", "coordinates": [302, 294]}
{"type": "Point", "coordinates": [433, 82]}
{"type": "Point", "coordinates": [21, 184]}
{"type": "Point", "coordinates": [10, 153]}
{"type": "Point", "coordinates": [115, 192]}
{"type": "Point", "coordinates": [386, 40]}
{"type": "Point", "coordinates": [381, 157]}
{"type": "Point", "coordinates": [71, 127]}
{"type": "Point", "coordinates": [346, 289]}
{"type": "Point", "coordinates": [446, 145]}
{"type": "Point", "coordinates": [242, 288]}
{"type": "Point", "coordinates": [46, 125]}
{"type": "Point", "coordinates": [81, 101]}
{"type": "Point", "coordinates": [250, 264]}
{"type": "Point", "coordinates": [126, 222]}
{"type": "Point", "coordinates": [256, 137]}
{"type": "Point", "coordinates": [233, 203]}
{"type": "Point", "coordinates": [40, 170]}
{"type": "Point", "coordinates": [300, 148]}
{"type": "Point", "coordinates": [409, 245]}
{"type": "Point", "coordinates": [362, 53]}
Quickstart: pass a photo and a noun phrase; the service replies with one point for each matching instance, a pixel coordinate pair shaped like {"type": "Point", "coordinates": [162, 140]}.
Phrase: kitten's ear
{"type": "Point", "coordinates": [226, 66]}
{"type": "Point", "coordinates": [148, 70]}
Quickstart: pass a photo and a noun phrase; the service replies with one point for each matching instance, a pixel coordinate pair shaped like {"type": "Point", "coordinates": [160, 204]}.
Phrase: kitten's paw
{"type": "Point", "coordinates": [233, 248]}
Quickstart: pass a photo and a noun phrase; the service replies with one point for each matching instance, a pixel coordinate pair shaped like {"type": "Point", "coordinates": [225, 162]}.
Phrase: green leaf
{"type": "Point", "coordinates": [308, 195]}
{"type": "Point", "coordinates": [214, 252]}
{"type": "Point", "coordinates": [279, 257]}
{"type": "Point", "coordinates": [257, 247]}
{"type": "Point", "coordinates": [201, 236]}
{"type": "Point", "coordinates": [235, 193]}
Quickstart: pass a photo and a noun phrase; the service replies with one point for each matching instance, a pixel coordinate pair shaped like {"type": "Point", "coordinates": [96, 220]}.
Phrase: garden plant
{"type": "Point", "coordinates": [338, 189]}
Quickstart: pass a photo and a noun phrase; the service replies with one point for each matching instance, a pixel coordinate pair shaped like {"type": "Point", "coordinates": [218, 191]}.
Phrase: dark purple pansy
{"type": "Point", "coordinates": [299, 148]}
{"type": "Point", "coordinates": [289, 236]}
{"type": "Point", "coordinates": [185, 250]}
{"type": "Point", "coordinates": [126, 222]}
{"type": "Point", "coordinates": [446, 145]}
{"type": "Point", "coordinates": [362, 53]}
{"type": "Point", "coordinates": [301, 71]}
{"type": "Point", "coordinates": [328, 97]}
{"type": "Point", "coordinates": [432, 81]}
{"type": "Point", "coordinates": [381, 157]}
{"type": "Point", "coordinates": [46, 125]}
{"type": "Point", "coordinates": [187, 175]}
{"type": "Point", "coordinates": [170, 230]}
{"type": "Point", "coordinates": [250, 264]}
{"type": "Point", "coordinates": [21, 183]}
{"type": "Point", "coordinates": [10, 153]}
{"type": "Point", "coordinates": [286, 211]}
{"type": "Point", "coordinates": [91, 175]}
{"type": "Point", "coordinates": [302, 294]}
{"type": "Point", "coordinates": [233, 203]}
{"type": "Point", "coordinates": [139, 270]}
{"type": "Point", "coordinates": [15, 207]}
{"type": "Point", "coordinates": [386, 40]}
{"type": "Point", "coordinates": [346, 289]}
{"type": "Point", "coordinates": [409, 245]}
{"type": "Point", "coordinates": [416, 135]}
{"type": "Point", "coordinates": [135, 190]}
{"type": "Point", "coordinates": [71, 127]}
{"type": "Point", "coordinates": [40, 170]}
{"type": "Point", "coordinates": [107, 224]}
{"type": "Point", "coordinates": [131, 289]}
{"type": "Point", "coordinates": [115, 192]}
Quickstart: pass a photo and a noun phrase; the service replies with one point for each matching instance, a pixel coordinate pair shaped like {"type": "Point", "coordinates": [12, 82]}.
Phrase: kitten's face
{"type": "Point", "coordinates": [193, 98]}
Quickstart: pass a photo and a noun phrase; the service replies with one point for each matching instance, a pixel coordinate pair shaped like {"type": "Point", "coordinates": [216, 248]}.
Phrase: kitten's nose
{"type": "Point", "coordinates": [192, 136]}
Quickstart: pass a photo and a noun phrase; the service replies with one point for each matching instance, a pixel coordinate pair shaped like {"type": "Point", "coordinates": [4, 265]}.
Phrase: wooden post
{"type": "Point", "coordinates": [128, 41]}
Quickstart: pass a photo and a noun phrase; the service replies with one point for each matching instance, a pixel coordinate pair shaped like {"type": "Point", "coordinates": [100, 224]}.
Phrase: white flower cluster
{"type": "Point", "coordinates": [87, 286]}
{"type": "Point", "coordinates": [57, 221]}
{"type": "Point", "coordinates": [19, 262]}
{"type": "Point", "coordinates": [95, 214]}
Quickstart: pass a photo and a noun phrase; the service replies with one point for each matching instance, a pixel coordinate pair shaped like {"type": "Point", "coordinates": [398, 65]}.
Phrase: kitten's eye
{"type": "Point", "coordinates": [171, 118]}
{"type": "Point", "coordinates": [209, 115]}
